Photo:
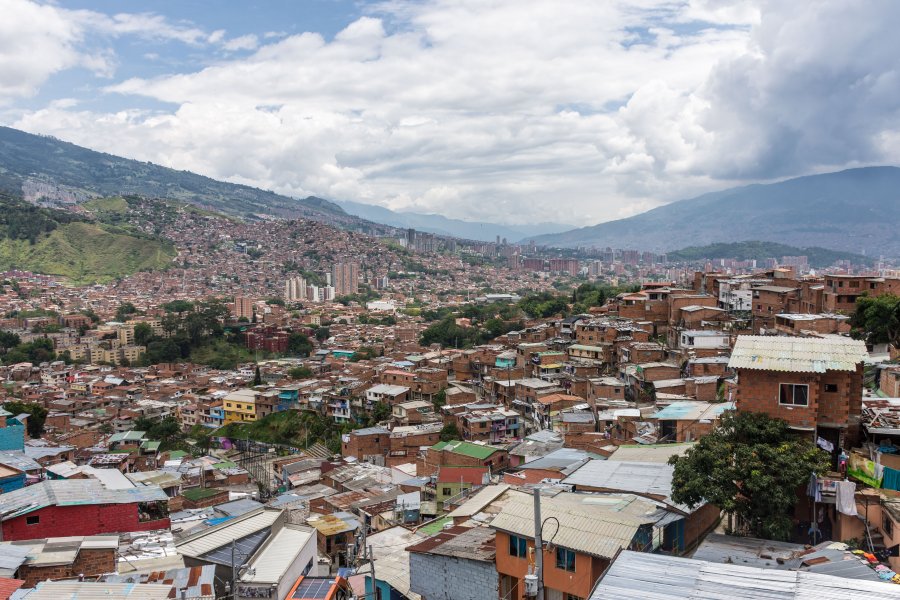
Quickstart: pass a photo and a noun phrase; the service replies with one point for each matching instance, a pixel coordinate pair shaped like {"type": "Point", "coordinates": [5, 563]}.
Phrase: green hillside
{"type": "Point", "coordinates": [65, 169]}
{"type": "Point", "coordinates": [59, 243]}
{"type": "Point", "coordinates": [755, 250]}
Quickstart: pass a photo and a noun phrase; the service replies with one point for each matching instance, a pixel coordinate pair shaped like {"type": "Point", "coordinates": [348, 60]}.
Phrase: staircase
{"type": "Point", "coordinates": [874, 539]}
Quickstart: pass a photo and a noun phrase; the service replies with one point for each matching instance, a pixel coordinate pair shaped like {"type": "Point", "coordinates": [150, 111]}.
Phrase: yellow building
{"type": "Point", "coordinates": [239, 406]}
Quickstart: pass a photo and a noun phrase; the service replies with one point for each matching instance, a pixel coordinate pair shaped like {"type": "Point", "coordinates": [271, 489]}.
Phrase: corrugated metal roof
{"type": "Point", "coordinates": [692, 411]}
{"type": "Point", "coordinates": [12, 556]}
{"type": "Point", "coordinates": [649, 453]}
{"type": "Point", "coordinates": [89, 590]}
{"type": "Point", "coordinates": [476, 503]}
{"type": "Point", "coordinates": [270, 565]}
{"type": "Point", "coordinates": [797, 355]}
{"type": "Point", "coordinates": [642, 478]}
{"type": "Point", "coordinates": [392, 559]}
{"type": "Point", "coordinates": [67, 492]}
{"type": "Point", "coordinates": [220, 535]}
{"type": "Point", "coordinates": [640, 576]}
{"type": "Point", "coordinates": [597, 530]}
{"type": "Point", "coordinates": [198, 582]}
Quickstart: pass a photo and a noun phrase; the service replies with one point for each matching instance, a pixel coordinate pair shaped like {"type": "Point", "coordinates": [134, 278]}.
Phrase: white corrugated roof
{"type": "Point", "coordinates": [270, 564]}
{"type": "Point", "coordinates": [642, 478]}
{"type": "Point", "coordinates": [797, 355]}
{"type": "Point", "coordinates": [90, 590]}
{"type": "Point", "coordinates": [597, 530]}
{"type": "Point", "coordinates": [641, 576]}
{"type": "Point", "coordinates": [233, 529]}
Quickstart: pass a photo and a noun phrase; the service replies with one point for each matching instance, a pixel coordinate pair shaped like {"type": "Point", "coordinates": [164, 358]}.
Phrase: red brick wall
{"type": "Point", "coordinates": [366, 445]}
{"type": "Point", "coordinates": [757, 391]}
{"type": "Point", "coordinates": [89, 519]}
{"type": "Point", "coordinates": [87, 562]}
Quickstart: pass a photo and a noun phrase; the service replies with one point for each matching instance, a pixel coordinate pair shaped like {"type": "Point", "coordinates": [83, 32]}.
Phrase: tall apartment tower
{"type": "Point", "coordinates": [295, 289]}
{"type": "Point", "coordinates": [243, 307]}
{"type": "Point", "coordinates": [345, 278]}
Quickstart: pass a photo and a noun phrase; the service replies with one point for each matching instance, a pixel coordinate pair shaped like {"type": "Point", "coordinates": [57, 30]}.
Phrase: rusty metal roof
{"type": "Point", "coordinates": [797, 355]}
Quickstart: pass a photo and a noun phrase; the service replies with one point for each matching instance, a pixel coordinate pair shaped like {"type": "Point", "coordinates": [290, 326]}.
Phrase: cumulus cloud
{"type": "Point", "coordinates": [244, 42]}
{"type": "Point", "coordinates": [523, 111]}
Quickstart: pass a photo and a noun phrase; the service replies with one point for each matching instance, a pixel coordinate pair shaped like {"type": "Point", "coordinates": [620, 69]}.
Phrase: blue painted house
{"type": "Point", "coordinates": [12, 431]}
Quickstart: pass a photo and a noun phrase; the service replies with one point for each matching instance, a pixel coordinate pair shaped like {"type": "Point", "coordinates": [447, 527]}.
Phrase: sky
{"type": "Point", "coordinates": [508, 111]}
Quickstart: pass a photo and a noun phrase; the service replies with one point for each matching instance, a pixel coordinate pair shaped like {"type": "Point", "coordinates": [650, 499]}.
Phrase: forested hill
{"type": "Point", "coordinates": [35, 166]}
{"type": "Point", "coordinates": [57, 242]}
{"type": "Point", "coordinates": [755, 250]}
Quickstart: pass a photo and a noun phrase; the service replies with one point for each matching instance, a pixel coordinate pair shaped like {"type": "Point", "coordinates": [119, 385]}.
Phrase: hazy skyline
{"type": "Point", "coordinates": [515, 112]}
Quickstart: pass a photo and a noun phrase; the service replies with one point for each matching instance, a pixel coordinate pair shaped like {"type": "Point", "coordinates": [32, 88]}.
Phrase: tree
{"type": "Point", "coordinates": [363, 353]}
{"type": "Point", "coordinates": [322, 333]}
{"type": "Point", "coordinates": [439, 399]}
{"type": "Point", "coordinates": [257, 378]}
{"type": "Point", "coordinates": [178, 306]}
{"type": "Point", "coordinates": [381, 412]}
{"type": "Point", "coordinates": [142, 333]}
{"type": "Point", "coordinates": [751, 465]}
{"type": "Point", "coordinates": [8, 340]}
{"type": "Point", "coordinates": [162, 351]}
{"type": "Point", "coordinates": [125, 310]}
{"type": "Point", "coordinates": [299, 344]}
{"type": "Point", "coordinates": [300, 373]}
{"type": "Point", "coordinates": [450, 432]}
{"type": "Point", "coordinates": [543, 305]}
{"type": "Point", "coordinates": [877, 320]}
{"type": "Point", "coordinates": [37, 414]}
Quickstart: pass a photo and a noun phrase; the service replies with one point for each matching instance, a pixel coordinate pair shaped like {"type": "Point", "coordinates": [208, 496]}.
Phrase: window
{"type": "Point", "coordinates": [793, 394]}
{"type": "Point", "coordinates": [573, 597]}
{"type": "Point", "coordinates": [33, 520]}
{"type": "Point", "coordinates": [831, 388]}
{"type": "Point", "coordinates": [565, 559]}
{"type": "Point", "coordinates": [447, 491]}
{"type": "Point", "coordinates": [887, 525]}
{"type": "Point", "coordinates": [518, 546]}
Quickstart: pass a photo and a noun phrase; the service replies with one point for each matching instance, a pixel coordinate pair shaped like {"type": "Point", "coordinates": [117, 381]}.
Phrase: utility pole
{"type": "Point", "coordinates": [538, 544]}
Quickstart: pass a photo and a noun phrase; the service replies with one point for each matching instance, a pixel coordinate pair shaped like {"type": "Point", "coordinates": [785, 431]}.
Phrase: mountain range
{"type": "Point", "coordinates": [471, 230]}
{"type": "Point", "coordinates": [856, 210]}
{"type": "Point", "coordinates": [851, 211]}
{"type": "Point", "coordinates": [37, 167]}
{"type": "Point", "coordinates": [43, 167]}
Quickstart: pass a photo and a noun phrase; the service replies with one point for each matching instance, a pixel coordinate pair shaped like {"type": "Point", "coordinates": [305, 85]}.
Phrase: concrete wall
{"type": "Point", "coordinates": [448, 578]}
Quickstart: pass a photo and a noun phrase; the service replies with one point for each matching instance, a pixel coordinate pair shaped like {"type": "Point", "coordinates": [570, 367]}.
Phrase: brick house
{"type": "Point", "coordinates": [586, 539]}
{"type": "Point", "coordinates": [81, 507]}
{"type": "Point", "coordinates": [62, 558]}
{"type": "Point", "coordinates": [462, 454]}
{"type": "Point", "coordinates": [815, 384]}
{"type": "Point", "coordinates": [768, 301]}
{"type": "Point", "coordinates": [366, 444]}
{"type": "Point", "coordinates": [652, 481]}
{"type": "Point", "coordinates": [841, 291]}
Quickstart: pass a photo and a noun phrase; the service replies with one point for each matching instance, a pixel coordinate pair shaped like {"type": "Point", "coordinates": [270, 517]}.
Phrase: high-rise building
{"type": "Point", "coordinates": [345, 278]}
{"type": "Point", "coordinates": [295, 289]}
{"type": "Point", "coordinates": [243, 307]}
